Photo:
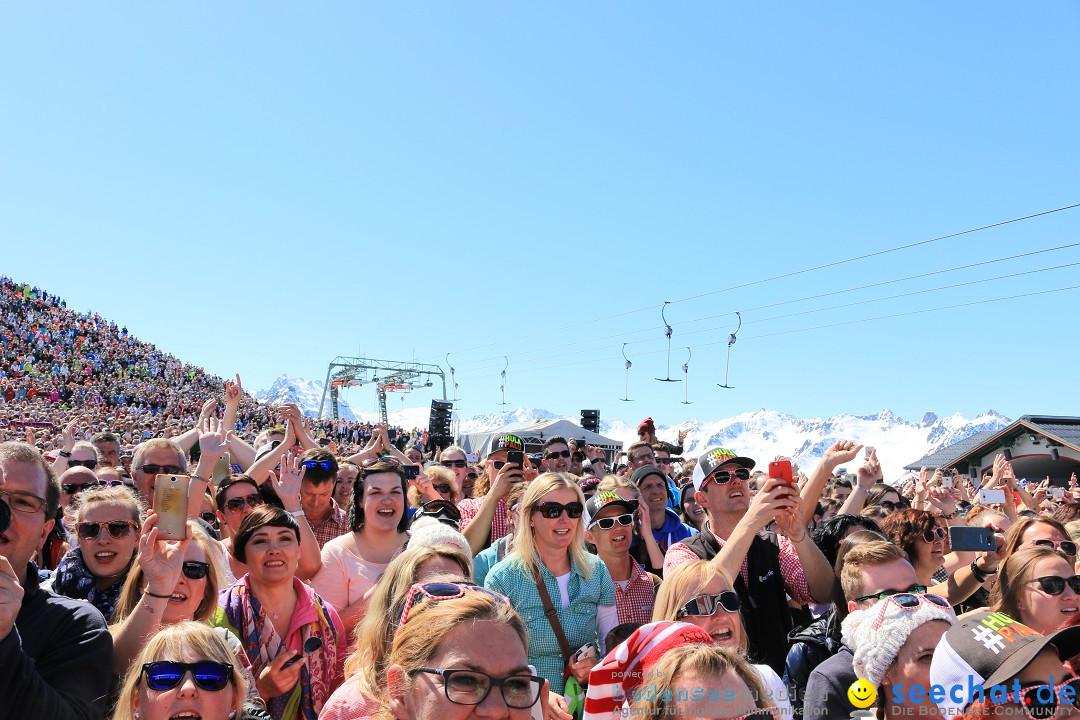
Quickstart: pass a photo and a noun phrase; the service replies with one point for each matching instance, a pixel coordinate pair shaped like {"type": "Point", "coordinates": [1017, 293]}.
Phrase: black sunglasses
{"type": "Point", "coordinates": [212, 676]}
{"type": "Point", "coordinates": [1055, 585]}
{"type": "Point", "coordinates": [472, 476]}
{"type": "Point", "coordinates": [118, 529]}
{"type": "Point", "coordinates": [88, 464]}
{"type": "Point", "coordinates": [161, 469]}
{"type": "Point", "coordinates": [324, 465]}
{"type": "Point", "coordinates": [557, 455]}
{"type": "Point", "coordinates": [607, 523]}
{"type": "Point", "coordinates": [1066, 546]}
{"type": "Point", "coordinates": [443, 488]}
{"type": "Point", "coordinates": [236, 504]}
{"type": "Point", "coordinates": [723, 477]}
{"type": "Point", "coordinates": [72, 488]}
{"type": "Point", "coordinates": [552, 510]}
{"type": "Point", "coordinates": [194, 570]}
{"type": "Point", "coordinates": [709, 604]}
{"type": "Point", "coordinates": [453, 463]}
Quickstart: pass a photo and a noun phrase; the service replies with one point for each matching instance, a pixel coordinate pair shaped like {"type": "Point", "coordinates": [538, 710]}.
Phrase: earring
{"type": "Point", "coordinates": [232, 714]}
{"type": "Point", "coordinates": [135, 715]}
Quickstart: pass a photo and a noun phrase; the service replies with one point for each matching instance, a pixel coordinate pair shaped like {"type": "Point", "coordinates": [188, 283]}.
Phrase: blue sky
{"type": "Point", "coordinates": [262, 187]}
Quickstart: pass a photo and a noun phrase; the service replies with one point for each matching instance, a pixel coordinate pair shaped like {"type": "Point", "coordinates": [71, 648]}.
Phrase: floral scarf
{"type": "Point", "coordinates": [74, 580]}
{"type": "Point", "coordinates": [321, 671]}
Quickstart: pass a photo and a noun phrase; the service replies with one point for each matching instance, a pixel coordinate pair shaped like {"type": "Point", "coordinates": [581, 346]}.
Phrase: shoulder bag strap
{"type": "Point", "coordinates": [552, 616]}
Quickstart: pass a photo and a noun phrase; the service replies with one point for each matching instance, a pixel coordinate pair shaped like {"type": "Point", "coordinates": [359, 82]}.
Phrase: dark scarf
{"type": "Point", "coordinates": [74, 580]}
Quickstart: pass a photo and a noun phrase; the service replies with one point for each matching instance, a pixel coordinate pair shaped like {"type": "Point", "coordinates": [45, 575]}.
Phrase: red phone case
{"type": "Point", "coordinates": [781, 469]}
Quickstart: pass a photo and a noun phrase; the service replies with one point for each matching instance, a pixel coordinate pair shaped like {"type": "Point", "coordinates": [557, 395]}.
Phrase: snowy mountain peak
{"type": "Point", "coordinates": [761, 434]}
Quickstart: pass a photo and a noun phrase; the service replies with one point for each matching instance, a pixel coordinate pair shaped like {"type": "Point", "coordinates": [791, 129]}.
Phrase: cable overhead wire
{"type": "Point", "coordinates": [995, 278]}
{"type": "Point", "coordinates": [793, 273]}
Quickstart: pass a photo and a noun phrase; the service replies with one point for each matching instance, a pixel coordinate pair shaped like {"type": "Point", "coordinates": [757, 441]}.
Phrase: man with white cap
{"type": "Point", "coordinates": [989, 665]}
{"type": "Point", "coordinates": [767, 568]}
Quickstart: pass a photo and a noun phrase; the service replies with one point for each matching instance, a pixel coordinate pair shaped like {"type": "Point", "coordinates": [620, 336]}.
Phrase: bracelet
{"type": "Point", "coordinates": [981, 575]}
{"type": "Point", "coordinates": [950, 516]}
{"type": "Point", "coordinates": [160, 597]}
{"type": "Point", "coordinates": [193, 476]}
{"type": "Point", "coordinates": [859, 487]}
{"type": "Point", "coordinates": [296, 513]}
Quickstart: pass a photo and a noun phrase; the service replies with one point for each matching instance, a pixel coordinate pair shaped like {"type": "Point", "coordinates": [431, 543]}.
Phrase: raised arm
{"type": "Point", "coordinates": [287, 484]}
{"type": "Point", "coordinates": [841, 452]}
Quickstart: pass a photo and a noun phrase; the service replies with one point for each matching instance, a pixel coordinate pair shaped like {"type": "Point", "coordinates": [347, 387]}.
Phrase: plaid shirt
{"type": "Point", "coordinates": [335, 525]}
{"type": "Point", "coordinates": [790, 567]}
{"type": "Point", "coordinates": [635, 603]}
{"type": "Point", "coordinates": [500, 522]}
{"type": "Point", "coordinates": [578, 621]}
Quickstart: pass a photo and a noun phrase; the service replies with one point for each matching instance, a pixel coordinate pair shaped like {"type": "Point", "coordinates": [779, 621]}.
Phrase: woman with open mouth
{"type": "Point", "coordinates": [699, 593]}
{"type": "Point", "coordinates": [550, 567]}
{"type": "Point", "coordinates": [1039, 587]}
{"type": "Point", "coordinates": [185, 672]}
{"type": "Point", "coordinates": [107, 520]}
{"type": "Point", "coordinates": [294, 639]}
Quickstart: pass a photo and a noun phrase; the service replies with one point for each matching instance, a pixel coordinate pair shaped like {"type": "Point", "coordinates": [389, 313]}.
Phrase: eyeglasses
{"type": "Point", "coordinates": [1055, 584]}
{"type": "Point", "coordinates": [23, 502]}
{"type": "Point", "coordinates": [324, 465]}
{"type": "Point", "coordinates": [642, 458]}
{"type": "Point", "coordinates": [437, 592]}
{"type": "Point", "coordinates": [1044, 704]}
{"type": "Point", "coordinates": [385, 458]}
{"type": "Point", "coordinates": [117, 528]}
{"type": "Point", "coordinates": [72, 488]}
{"type": "Point", "coordinates": [453, 463]}
{"type": "Point", "coordinates": [211, 676]}
{"type": "Point", "coordinates": [1066, 546]}
{"type": "Point", "coordinates": [723, 477]}
{"type": "Point", "coordinates": [472, 476]}
{"type": "Point", "coordinates": [161, 469]}
{"type": "Point", "coordinates": [471, 687]}
{"type": "Point", "coordinates": [907, 601]}
{"type": "Point", "coordinates": [913, 590]}
{"type": "Point", "coordinates": [557, 455]}
{"type": "Point", "coordinates": [709, 604]}
{"type": "Point", "coordinates": [195, 570]}
{"type": "Point", "coordinates": [627, 519]}
{"type": "Point", "coordinates": [552, 510]}
{"type": "Point", "coordinates": [935, 534]}
{"type": "Point", "coordinates": [888, 505]}
{"type": "Point", "coordinates": [88, 464]}
{"type": "Point", "coordinates": [236, 504]}
{"type": "Point", "coordinates": [443, 488]}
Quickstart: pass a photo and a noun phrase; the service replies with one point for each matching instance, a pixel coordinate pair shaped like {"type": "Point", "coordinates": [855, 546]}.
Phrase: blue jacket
{"type": "Point", "coordinates": [673, 531]}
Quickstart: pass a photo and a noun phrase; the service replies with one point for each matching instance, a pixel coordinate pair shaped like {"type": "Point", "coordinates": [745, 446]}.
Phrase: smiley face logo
{"type": "Point", "coordinates": [861, 694]}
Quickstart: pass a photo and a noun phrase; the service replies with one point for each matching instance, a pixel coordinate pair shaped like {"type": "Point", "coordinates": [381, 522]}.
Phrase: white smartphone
{"type": "Point", "coordinates": [991, 497]}
{"type": "Point", "coordinates": [1055, 492]}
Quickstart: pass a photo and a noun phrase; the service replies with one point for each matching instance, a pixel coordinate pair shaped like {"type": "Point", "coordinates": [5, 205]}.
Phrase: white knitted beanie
{"type": "Point", "coordinates": [876, 634]}
{"type": "Point", "coordinates": [429, 531]}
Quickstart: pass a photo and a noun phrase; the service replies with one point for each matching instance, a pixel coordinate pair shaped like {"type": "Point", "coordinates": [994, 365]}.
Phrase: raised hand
{"type": "Point", "coordinates": [843, 451]}
{"type": "Point", "coordinates": [208, 409]}
{"type": "Point", "coordinates": [69, 435]}
{"type": "Point", "coordinates": [682, 435]}
{"type": "Point", "coordinates": [288, 481]}
{"type": "Point", "coordinates": [161, 560]}
{"type": "Point", "coordinates": [234, 391]}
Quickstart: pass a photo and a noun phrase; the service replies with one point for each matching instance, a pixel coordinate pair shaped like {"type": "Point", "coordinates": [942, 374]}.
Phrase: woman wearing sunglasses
{"type": "Point", "coordinates": [455, 460]}
{"type": "Point", "coordinates": [457, 656]}
{"type": "Point", "coordinates": [549, 553]}
{"type": "Point", "coordinates": [893, 643]}
{"type": "Point", "coordinates": [186, 670]}
{"type": "Point", "coordinates": [704, 681]}
{"type": "Point", "coordinates": [353, 563]}
{"type": "Point", "coordinates": [434, 483]}
{"type": "Point", "coordinates": [1044, 531]}
{"type": "Point", "coordinates": [697, 592]}
{"type": "Point", "coordinates": [1038, 587]}
{"type": "Point", "coordinates": [295, 640]}
{"type": "Point", "coordinates": [106, 521]}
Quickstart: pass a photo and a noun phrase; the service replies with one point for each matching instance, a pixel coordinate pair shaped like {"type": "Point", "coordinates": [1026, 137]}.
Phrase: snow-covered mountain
{"type": "Point", "coordinates": [761, 434]}
{"type": "Point", "coordinates": [306, 394]}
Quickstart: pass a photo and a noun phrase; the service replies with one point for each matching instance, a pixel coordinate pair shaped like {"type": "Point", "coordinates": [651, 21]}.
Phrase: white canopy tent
{"type": "Point", "coordinates": [534, 434]}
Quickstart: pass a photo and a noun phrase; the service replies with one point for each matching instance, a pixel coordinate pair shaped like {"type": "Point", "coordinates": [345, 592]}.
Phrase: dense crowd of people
{"type": "Point", "coordinates": [337, 570]}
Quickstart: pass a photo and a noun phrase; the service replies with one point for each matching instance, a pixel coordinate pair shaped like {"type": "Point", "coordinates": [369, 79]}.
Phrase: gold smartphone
{"type": "Point", "coordinates": [171, 505]}
{"type": "Point", "coordinates": [222, 469]}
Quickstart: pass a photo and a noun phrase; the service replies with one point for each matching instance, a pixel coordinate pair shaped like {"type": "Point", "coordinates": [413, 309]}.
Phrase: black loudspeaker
{"type": "Point", "coordinates": [439, 424]}
{"type": "Point", "coordinates": [590, 420]}
{"type": "Point", "coordinates": [1054, 454]}
{"type": "Point", "coordinates": [1007, 453]}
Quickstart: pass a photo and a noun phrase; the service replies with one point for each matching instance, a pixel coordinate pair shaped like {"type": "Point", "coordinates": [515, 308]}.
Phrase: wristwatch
{"type": "Point", "coordinates": [64, 453]}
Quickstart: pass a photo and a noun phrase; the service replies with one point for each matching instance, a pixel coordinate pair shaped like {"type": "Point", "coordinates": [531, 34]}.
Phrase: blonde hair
{"type": "Point", "coordinates": [215, 579]}
{"type": "Point", "coordinates": [610, 482]}
{"type": "Point", "coordinates": [698, 661]}
{"type": "Point", "coordinates": [108, 494]}
{"type": "Point", "coordinates": [86, 445]}
{"type": "Point", "coordinates": [437, 473]}
{"type": "Point", "coordinates": [376, 631]}
{"type": "Point", "coordinates": [181, 642]}
{"type": "Point", "coordinates": [524, 552]}
{"type": "Point", "coordinates": [420, 639]}
{"type": "Point", "coordinates": [686, 582]}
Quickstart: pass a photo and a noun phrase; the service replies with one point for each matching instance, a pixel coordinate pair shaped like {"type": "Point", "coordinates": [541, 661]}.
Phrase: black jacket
{"type": "Point", "coordinates": [764, 604]}
{"type": "Point", "coordinates": [57, 660]}
{"type": "Point", "coordinates": [809, 647]}
{"type": "Point", "coordinates": [826, 691]}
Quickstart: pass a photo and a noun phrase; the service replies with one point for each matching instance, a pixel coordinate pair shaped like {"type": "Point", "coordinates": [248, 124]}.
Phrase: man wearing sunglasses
{"type": "Point", "coordinates": [56, 653]}
{"type": "Point", "coordinates": [609, 526]}
{"type": "Point", "coordinates": [486, 519]}
{"type": "Point", "coordinates": [556, 455]}
{"type": "Point", "coordinates": [326, 518]}
{"type": "Point", "coordinates": [766, 571]}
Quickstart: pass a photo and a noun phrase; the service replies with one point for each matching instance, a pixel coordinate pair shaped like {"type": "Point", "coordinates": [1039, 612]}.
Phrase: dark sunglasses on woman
{"type": "Point", "coordinates": [1055, 584]}
{"type": "Point", "coordinates": [253, 500]}
{"type": "Point", "coordinates": [453, 463]}
{"type": "Point", "coordinates": [195, 570]}
{"type": "Point", "coordinates": [709, 604]}
{"type": "Point", "coordinates": [118, 529]}
{"type": "Point", "coordinates": [166, 675]}
{"type": "Point", "coordinates": [935, 534]}
{"type": "Point", "coordinates": [552, 510]}
{"type": "Point", "coordinates": [1066, 546]}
